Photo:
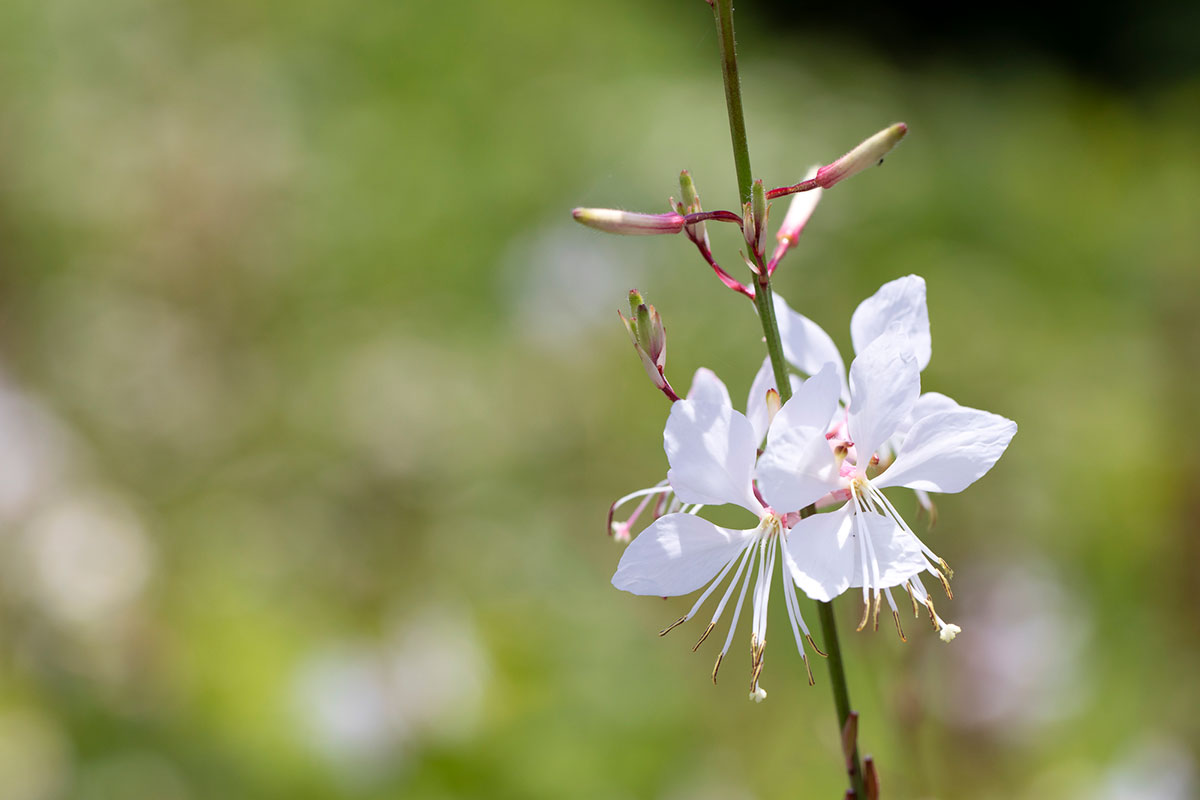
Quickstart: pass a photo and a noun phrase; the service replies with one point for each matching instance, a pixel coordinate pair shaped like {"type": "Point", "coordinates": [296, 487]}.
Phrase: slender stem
{"type": "Point", "coordinates": [723, 11]}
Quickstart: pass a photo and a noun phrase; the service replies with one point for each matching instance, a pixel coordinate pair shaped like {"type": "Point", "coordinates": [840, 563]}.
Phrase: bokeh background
{"type": "Point", "coordinates": [313, 397]}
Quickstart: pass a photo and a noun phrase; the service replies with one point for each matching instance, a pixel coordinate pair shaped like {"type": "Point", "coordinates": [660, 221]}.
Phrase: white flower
{"type": "Point", "coordinates": [711, 449]}
{"type": "Point", "coordinates": [898, 305]}
{"type": "Point", "coordinates": [866, 543]}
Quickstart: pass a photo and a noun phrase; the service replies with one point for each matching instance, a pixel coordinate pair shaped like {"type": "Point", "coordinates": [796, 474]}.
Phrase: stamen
{"type": "Point", "coordinates": [725, 599]}
{"type": "Point", "coordinates": [696, 607]}
{"type": "Point", "coordinates": [793, 609]}
{"type": "Point", "coordinates": [894, 514]}
{"type": "Point", "coordinates": [808, 669]}
{"type": "Point", "coordinates": [899, 630]}
{"type": "Point", "coordinates": [933, 617]}
{"type": "Point", "coordinates": [862, 551]}
{"type": "Point", "coordinates": [716, 667]}
{"type": "Point", "coordinates": [737, 610]}
{"type": "Point", "coordinates": [866, 616]}
{"type": "Point", "coordinates": [895, 613]}
{"type": "Point", "coordinates": [875, 576]}
{"type": "Point", "coordinates": [813, 645]}
{"type": "Point", "coordinates": [945, 584]}
{"type": "Point", "coordinates": [658, 488]}
{"type": "Point", "coordinates": [908, 587]}
{"type": "Point", "coordinates": [673, 625]}
{"type": "Point", "coordinates": [703, 636]}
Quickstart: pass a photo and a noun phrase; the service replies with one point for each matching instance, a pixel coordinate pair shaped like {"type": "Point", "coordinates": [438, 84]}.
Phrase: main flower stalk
{"type": "Point", "coordinates": [723, 13]}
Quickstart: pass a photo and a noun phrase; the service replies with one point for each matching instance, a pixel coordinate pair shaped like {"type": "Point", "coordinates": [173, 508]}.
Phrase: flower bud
{"type": "Point", "coordinates": [687, 192]}
{"type": "Point", "coordinates": [691, 205]}
{"type": "Point", "coordinates": [867, 154]}
{"type": "Point", "coordinates": [649, 337]}
{"type": "Point", "coordinates": [758, 204]}
{"type": "Point", "coordinates": [628, 222]}
{"type": "Point", "coordinates": [748, 227]}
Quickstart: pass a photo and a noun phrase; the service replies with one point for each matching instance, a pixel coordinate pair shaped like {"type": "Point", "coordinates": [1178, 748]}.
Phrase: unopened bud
{"type": "Point", "coordinates": [758, 205]}
{"type": "Point", "coordinates": [867, 154]}
{"type": "Point", "coordinates": [687, 191]}
{"type": "Point", "coordinates": [773, 404]}
{"type": "Point", "coordinates": [628, 222]}
{"type": "Point", "coordinates": [649, 337]}
{"type": "Point", "coordinates": [691, 205]}
{"type": "Point", "coordinates": [748, 226]}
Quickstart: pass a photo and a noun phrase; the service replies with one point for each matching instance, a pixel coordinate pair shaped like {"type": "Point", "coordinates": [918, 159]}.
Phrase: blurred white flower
{"type": "Point", "coordinates": [554, 277]}
{"type": "Point", "coordinates": [344, 704]}
{"type": "Point", "coordinates": [35, 455]}
{"type": "Point", "coordinates": [365, 705]}
{"type": "Point", "coordinates": [1157, 768]}
{"type": "Point", "coordinates": [90, 558]}
{"type": "Point", "coordinates": [1025, 664]}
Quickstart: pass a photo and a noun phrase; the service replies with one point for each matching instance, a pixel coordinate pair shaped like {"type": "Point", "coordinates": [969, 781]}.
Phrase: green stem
{"type": "Point", "coordinates": [723, 11]}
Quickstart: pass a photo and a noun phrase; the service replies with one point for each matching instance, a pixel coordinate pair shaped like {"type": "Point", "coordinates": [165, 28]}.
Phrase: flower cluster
{"type": "Point", "coordinates": [843, 438]}
{"type": "Point", "coordinates": [813, 470]}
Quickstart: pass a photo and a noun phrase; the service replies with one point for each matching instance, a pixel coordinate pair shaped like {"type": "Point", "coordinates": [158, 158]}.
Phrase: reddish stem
{"type": "Point", "coordinates": [802, 186]}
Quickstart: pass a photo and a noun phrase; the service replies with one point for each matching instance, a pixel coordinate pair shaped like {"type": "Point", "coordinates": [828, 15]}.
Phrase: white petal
{"type": "Point", "coordinates": [708, 389]}
{"type": "Point", "coordinates": [900, 302]}
{"type": "Point", "coordinates": [898, 553]}
{"type": "Point", "coordinates": [798, 466]}
{"type": "Point", "coordinates": [928, 403]}
{"type": "Point", "coordinates": [805, 344]}
{"type": "Point", "coordinates": [824, 554]}
{"type": "Point", "coordinates": [884, 384]}
{"type": "Point", "coordinates": [949, 450]}
{"type": "Point", "coordinates": [756, 403]}
{"type": "Point", "coordinates": [827, 556]}
{"type": "Point", "coordinates": [677, 555]}
{"type": "Point", "coordinates": [711, 448]}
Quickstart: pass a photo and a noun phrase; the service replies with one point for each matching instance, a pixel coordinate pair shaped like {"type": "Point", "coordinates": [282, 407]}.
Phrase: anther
{"type": "Point", "coordinates": [899, 630]}
{"type": "Point", "coordinates": [877, 605]}
{"type": "Point", "coordinates": [945, 584]}
{"type": "Point", "coordinates": [703, 636]}
{"type": "Point", "coordinates": [932, 614]}
{"type": "Point", "coordinates": [813, 645]}
{"type": "Point", "coordinates": [866, 615]}
{"type": "Point", "coordinates": [716, 667]}
{"type": "Point", "coordinates": [811, 682]}
{"type": "Point", "coordinates": [673, 625]}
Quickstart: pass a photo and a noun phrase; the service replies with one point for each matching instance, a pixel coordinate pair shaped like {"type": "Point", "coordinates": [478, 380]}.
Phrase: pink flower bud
{"type": "Point", "coordinates": [628, 222]}
{"type": "Point", "coordinates": [867, 154]}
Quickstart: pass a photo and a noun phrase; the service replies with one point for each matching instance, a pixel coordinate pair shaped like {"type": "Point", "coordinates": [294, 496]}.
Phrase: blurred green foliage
{"type": "Point", "coordinates": [313, 400]}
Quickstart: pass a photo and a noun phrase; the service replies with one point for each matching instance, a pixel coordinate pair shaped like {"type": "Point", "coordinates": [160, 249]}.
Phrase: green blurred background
{"type": "Point", "coordinates": [313, 399]}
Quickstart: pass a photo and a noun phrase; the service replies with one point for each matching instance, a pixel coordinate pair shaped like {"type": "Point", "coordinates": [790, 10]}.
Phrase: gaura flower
{"type": "Point", "coordinates": [898, 305]}
{"type": "Point", "coordinates": [866, 543]}
{"type": "Point", "coordinates": [712, 449]}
